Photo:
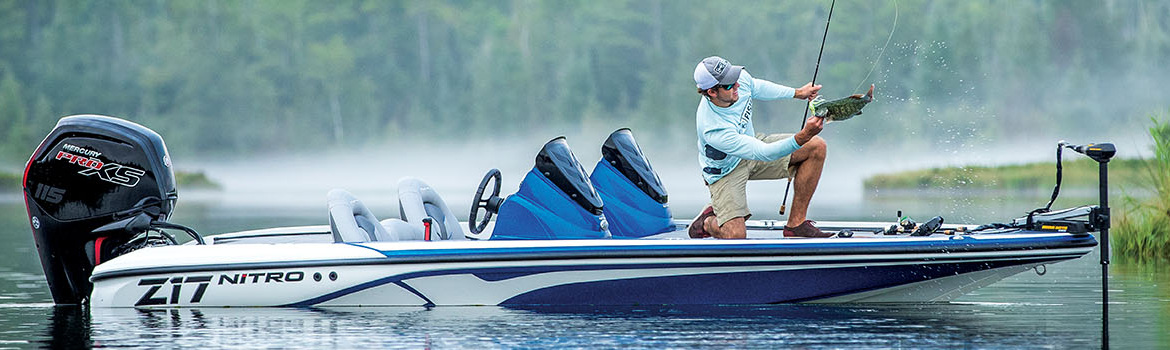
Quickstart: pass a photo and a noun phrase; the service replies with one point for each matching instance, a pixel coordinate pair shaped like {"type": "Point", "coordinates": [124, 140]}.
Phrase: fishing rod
{"type": "Point", "coordinates": [814, 82]}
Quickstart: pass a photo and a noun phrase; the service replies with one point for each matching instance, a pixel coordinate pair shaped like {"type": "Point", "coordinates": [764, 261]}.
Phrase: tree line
{"type": "Point", "coordinates": [230, 77]}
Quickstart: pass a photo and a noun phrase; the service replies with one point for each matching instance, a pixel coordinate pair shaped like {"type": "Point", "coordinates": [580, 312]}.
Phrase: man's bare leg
{"type": "Point", "coordinates": [732, 229]}
{"type": "Point", "coordinates": [809, 161]}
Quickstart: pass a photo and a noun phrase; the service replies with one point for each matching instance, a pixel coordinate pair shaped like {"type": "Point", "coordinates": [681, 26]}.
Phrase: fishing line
{"type": "Point", "coordinates": [879, 58]}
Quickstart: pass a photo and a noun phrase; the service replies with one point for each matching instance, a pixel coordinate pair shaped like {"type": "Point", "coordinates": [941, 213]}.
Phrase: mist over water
{"type": "Point", "coordinates": [900, 131]}
{"type": "Point", "coordinates": [928, 138]}
{"type": "Point", "coordinates": [296, 184]}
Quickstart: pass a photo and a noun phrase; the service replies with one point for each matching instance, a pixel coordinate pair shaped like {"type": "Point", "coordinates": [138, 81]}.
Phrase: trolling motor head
{"type": "Point", "coordinates": [93, 184]}
{"type": "Point", "coordinates": [1100, 152]}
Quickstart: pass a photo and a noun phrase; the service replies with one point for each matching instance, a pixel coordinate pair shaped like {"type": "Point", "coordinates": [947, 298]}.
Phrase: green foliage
{"type": "Point", "coordinates": [238, 77]}
{"type": "Point", "coordinates": [13, 114]}
{"type": "Point", "coordinates": [1142, 229]}
{"type": "Point", "coordinates": [1040, 176]}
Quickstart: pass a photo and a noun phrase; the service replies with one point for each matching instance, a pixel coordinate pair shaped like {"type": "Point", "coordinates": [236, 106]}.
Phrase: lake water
{"type": "Point", "coordinates": [1060, 309]}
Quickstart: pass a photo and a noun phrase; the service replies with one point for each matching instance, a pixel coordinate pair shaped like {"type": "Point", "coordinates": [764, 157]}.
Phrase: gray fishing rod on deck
{"type": "Point", "coordinates": [814, 83]}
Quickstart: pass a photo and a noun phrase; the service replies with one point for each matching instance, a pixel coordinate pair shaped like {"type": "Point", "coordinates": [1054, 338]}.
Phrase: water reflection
{"type": "Point", "coordinates": [942, 325]}
{"type": "Point", "coordinates": [69, 328]}
{"type": "Point", "coordinates": [1152, 276]}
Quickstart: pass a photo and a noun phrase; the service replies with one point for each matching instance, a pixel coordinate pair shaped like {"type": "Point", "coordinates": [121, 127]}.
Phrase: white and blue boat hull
{"type": "Point", "coordinates": [575, 272]}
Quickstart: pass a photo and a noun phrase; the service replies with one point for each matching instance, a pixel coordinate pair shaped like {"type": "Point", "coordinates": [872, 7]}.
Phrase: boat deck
{"type": "Point", "coordinates": [756, 229]}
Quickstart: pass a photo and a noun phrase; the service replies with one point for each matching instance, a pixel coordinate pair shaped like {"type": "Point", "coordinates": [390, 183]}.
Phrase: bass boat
{"type": "Point", "coordinates": [100, 192]}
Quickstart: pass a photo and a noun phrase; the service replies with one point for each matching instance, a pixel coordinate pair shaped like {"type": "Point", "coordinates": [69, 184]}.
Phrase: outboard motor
{"type": "Point", "coordinates": [91, 186]}
{"type": "Point", "coordinates": [555, 201]}
{"type": "Point", "coordinates": [635, 200]}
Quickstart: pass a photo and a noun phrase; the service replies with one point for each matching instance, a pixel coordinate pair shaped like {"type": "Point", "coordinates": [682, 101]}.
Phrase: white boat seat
{"type": "Point", "coordinates": [352, 222]}
{"type": "Point", "coordinates": [416, 201]}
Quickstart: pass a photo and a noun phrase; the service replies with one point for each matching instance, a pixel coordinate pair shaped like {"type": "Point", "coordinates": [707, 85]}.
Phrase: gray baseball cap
{"type": "Point", "coordinates": [715, 70]}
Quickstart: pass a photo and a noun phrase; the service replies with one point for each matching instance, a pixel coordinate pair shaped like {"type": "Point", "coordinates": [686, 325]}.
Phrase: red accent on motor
{"type": "Point", "coordinates": [97, 251]}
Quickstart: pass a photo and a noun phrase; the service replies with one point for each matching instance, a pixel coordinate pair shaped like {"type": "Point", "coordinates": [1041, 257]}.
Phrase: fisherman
{"type": "Point", "coordinates": [731, 153]}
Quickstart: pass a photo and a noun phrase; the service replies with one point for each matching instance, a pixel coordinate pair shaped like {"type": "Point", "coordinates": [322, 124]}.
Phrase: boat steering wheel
{"type": "Point", "coordinates": [490, 205]}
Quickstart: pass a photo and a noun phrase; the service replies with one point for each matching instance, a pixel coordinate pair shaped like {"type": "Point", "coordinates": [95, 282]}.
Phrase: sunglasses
{"type": "Point", "coordinates": [728, 87]}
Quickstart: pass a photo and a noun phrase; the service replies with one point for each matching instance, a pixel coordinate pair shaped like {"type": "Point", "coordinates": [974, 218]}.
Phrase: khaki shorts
{"type": "Point", "coordinates": [729, 193]}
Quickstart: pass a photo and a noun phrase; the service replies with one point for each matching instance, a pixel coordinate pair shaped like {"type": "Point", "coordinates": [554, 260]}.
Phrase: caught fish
{"type": "Point", "coordinates": [843, 108]}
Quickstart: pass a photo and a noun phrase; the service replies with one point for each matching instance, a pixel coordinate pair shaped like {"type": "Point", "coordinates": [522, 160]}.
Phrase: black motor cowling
{"type": "Point", "coordinates": [89, 172]}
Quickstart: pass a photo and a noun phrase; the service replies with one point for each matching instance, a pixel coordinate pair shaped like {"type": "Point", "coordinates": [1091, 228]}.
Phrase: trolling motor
{"type": "Point", "coordinates": [95, 188]}
{"type": "Point", "coordinates": [1099, 216]}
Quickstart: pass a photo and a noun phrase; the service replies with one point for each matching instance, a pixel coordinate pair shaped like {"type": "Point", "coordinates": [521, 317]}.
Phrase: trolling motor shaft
{"type": "Point", "coordinates": [1099, 217]}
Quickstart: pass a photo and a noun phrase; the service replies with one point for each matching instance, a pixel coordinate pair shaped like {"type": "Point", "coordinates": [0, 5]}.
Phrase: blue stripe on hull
{"type": "Point", "coordinates": [760, 287]}
{"type": "Point", "coordinates": [757, 287]}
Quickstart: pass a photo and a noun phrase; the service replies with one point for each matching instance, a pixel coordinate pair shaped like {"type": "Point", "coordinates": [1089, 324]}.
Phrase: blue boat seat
{"type": "Point", "coordinates": [417, 201]}
{"type": "Point", "coordinates": [352, 222]}
{"type": "Point", "coordinates": [556, 200]}
{"type": "Point", "coordinates": [635, 199]}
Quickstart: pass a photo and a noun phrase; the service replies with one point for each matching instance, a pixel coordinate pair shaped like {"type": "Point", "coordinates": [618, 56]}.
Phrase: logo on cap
{"type": "Point", "coordinates": [719, 67]}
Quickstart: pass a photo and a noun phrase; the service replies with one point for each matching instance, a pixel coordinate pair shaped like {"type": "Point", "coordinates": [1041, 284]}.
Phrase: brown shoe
{"type": "Point", "coordinates": [696, 229]}
{"type": "Point", "coordinates": [806, 230]}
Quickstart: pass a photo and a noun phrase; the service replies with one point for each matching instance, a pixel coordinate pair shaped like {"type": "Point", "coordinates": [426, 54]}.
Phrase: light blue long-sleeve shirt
{"type": "Point", "coordinates": [726, 135]}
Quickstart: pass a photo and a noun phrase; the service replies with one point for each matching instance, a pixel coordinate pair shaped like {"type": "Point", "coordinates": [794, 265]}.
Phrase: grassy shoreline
{"type": "Point", "coordinates": [9, 182]}
{"type": "Point", "coordinates": [1038, 176]}
{"type": "Point", "coordinates": [1142, 231]}
{"type": "Point", "coordinates": [195, 180]}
